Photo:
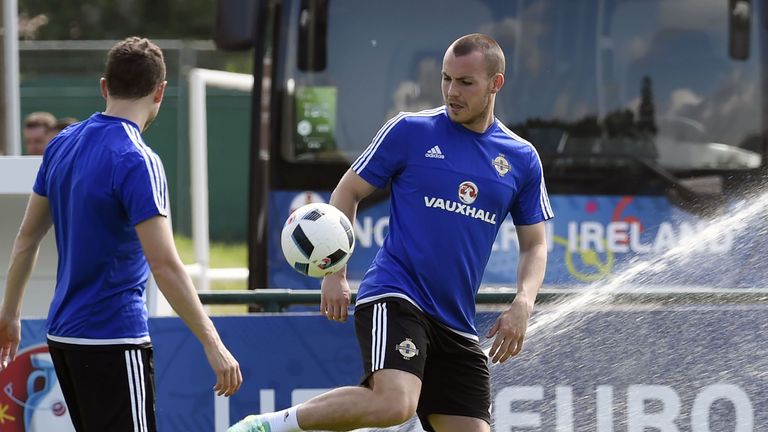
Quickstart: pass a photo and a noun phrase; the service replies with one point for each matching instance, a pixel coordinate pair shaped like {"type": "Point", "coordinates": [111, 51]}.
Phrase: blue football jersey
{"type": "Point", "coordinates": [101, 180]}
{"type": "Point", "coordinates": [451, 190]}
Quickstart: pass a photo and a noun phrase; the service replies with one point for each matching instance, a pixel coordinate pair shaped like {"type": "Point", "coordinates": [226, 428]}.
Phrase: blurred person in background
{"type": "Point", "coordinates": [37, 128]}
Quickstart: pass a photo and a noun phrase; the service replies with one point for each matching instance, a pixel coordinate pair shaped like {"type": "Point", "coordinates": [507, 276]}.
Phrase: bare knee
{"type": "Point", "coordinates": [393, 411]}
{"type": "Point", "coordinates": [396, 395]}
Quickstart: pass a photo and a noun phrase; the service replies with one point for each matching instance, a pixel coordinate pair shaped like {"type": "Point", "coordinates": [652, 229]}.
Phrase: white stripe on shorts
{"type": "Point", "coordinates": [379, 336]}
{"type": "Point", "coordinates": [135, 369]}
{"type": "Point", "coordinates": [143, 393]}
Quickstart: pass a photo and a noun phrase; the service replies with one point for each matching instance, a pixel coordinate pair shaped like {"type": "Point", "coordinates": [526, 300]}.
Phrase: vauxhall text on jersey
{"type": "Point", "coordinates": [101, 180]}
{"type": "Point", "coordinates": [451, 189]}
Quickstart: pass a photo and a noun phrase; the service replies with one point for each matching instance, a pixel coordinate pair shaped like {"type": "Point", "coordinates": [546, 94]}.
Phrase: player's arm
{"type": "Point", "coordinates": [510, 328]}
{"type": "Point", "coordinates": [532, 263]}
{"type": "Point", "coordinates": [335, 294]}
{"type": "Point", "coordinates": [157, 241]}
{"type": "Point", "coordinates": [34, 226]}
{"type": "Point", "coordinates": [349, 192]}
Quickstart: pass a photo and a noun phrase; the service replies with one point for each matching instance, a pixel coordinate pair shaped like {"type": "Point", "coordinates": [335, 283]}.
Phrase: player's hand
{"type": "Point", "coordinates": [227, 370]}
{"type": "Point", "coordinates": [335, 297]}
{"type": "Point", "coordinates": [10, 336]}
{"type": "Point", "coordinates": [509, 330]}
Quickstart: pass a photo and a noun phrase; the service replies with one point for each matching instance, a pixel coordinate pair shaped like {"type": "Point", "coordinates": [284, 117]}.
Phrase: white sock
{"type": "Point", "coordinates": [283, 421]}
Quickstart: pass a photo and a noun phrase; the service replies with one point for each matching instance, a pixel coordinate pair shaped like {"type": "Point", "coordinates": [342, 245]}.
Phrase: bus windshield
{"type": "Point", "coordinates": [650, 80]}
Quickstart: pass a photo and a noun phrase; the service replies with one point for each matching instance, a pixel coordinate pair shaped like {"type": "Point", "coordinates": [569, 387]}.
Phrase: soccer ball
{"type": "Point", "coordinates": [317, 239]}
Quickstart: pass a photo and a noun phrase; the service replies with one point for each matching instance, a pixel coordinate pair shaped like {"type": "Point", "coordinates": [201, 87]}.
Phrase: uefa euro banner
{"type": "Point", "coordinates": [591, 238]}
{"type": "Point", "coordinates": [692, 368]}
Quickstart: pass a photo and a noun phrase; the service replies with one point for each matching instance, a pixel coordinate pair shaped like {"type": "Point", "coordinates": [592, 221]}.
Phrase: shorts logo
{"type": "Point", "coordinates": [468, 192]}
{"type": "Point", "coordinates": [407, 349]}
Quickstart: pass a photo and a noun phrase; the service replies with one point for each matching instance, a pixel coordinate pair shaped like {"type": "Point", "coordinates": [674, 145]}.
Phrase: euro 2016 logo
{"type": "Point", "coordinates": [467, 192]}
{"type": "Point", "coordinates": [31, 398]}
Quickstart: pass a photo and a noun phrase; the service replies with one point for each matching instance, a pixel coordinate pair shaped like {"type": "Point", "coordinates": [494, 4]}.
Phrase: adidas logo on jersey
{"type": "Point", "coordinates": [435, 153]}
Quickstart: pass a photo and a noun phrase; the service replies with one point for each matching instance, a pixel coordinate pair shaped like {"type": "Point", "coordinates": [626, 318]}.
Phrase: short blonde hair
{"type": "Point", "coordinates": [484, 44]}
{"type": "Point", "coordinates": [40, 118]}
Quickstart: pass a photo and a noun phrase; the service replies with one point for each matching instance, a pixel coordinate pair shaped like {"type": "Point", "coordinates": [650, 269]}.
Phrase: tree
{"type": "Point", "coordinates": [646, 112]}
{"type": "Point", "coordinates": [116, 19]}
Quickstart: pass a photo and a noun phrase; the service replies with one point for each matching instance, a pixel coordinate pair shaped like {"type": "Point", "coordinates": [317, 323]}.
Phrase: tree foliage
{"type": "Point", "coordinates": [116, 19]}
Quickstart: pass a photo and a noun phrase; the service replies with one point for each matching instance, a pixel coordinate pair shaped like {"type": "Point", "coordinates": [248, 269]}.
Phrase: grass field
{"type": "Point", "coordinates": [222, 255]}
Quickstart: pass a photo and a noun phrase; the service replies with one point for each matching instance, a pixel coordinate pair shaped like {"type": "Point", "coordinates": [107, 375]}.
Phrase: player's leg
{"type": "Point", "coordinates": [114, 388]}
{"type": "Point", "coordinates": [393, 345]}
{"type": "Point", "coordinates": [456, 391]}
{"type": "Point", "coordinates": [390, 400]}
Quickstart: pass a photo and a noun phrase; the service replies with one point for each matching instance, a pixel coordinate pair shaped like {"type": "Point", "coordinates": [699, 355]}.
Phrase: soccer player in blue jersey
{"type": "Point", "coordinates": [104, 191]}
{"type": "Point", "coordinates": [455, 173]}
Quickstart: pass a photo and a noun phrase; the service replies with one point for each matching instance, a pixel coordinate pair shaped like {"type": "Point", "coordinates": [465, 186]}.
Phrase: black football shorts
{"type": "Point", "coordinates": [107, 388]}
{"type": "Point", "coordinates": [395, 334]}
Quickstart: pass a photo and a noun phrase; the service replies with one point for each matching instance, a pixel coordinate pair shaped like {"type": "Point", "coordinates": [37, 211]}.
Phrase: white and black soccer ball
{"type": "Point", "coordinates": [317, 239]}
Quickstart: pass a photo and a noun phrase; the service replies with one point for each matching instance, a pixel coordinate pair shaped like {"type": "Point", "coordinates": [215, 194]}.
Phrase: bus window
{"type": "Point", "coordinates": [617, 78]}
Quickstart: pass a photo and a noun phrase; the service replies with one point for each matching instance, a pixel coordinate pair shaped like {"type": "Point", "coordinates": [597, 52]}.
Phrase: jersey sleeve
{"type": "Point", "coordinates": [41, 185]}
{"type": "Point", "coordinates": [531, 204]}
{"type": "Point", "coordinates": [385, 156]}
{"type": "Point", "coordinates": [141, 186]}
